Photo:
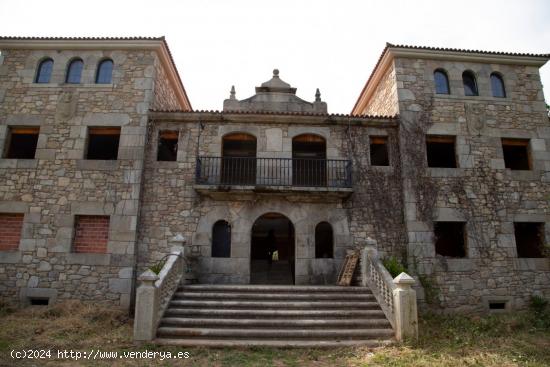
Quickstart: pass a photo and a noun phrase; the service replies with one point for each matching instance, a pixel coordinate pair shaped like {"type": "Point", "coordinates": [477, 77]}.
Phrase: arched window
{"type": "Point", "coordinates": [324, 241]}
{"type": "Point", "coordinates": [497, 85]}
{"type": "Point", "coordinates": [44, 71]}
{"type": "Point", "coordinates": [221, 239]}
{"type": "Point", "coordinates": [309, 164]}
{"type": "Point", "coordinates": [74, 71]}
{"type": "Point", "coordinates": [470, 85]}
{"type": "Point", "coordinates": [104, 73]}
{"type": "Point", "coordinates": [441, 82]}
{"type": "Point", "coordinates": [238, 165]}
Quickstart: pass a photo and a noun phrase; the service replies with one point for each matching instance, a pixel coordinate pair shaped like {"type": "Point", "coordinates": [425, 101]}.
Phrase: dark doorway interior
{"type": "Point", "coordinates": [238, 166]}
{"type": "Point", "coordinates": [272, 250]}
{"type": "Point", "coordinates": [309, 153]}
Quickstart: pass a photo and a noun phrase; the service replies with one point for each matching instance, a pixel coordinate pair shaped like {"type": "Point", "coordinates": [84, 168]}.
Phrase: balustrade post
{"type": "Point", "coordinates": [404, 307]}
{"type": "Point", "coordinates": [145, 321]}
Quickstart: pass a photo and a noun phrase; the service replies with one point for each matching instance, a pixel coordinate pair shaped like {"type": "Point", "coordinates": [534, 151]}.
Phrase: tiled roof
{"type": "Point", "coordinates": [338, 115]}
{"type": "Point", "coordinates": [443, 49]}
{"type": "Point", "coordinates": [137, 38]}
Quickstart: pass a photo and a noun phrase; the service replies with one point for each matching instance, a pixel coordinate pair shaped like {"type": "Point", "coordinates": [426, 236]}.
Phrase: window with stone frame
{"type": "Point", "coordinates": [516, 154]}
{"type": "Point", "coordinates": [497, 85]}
{"type": "Point", "coordinates": [379, 151]}
{"type": "Point", "coordinates": [21, 142]}
{"type": "Point", "coordinates": [11, 225]}
{"type": "Point", "coordinates": [91, 233]}
{"type": "Point", "coordinates": [103, 143]}
{"type": "Point", "coordinates": [441, 81]}
{"type": "Point", "coordinates": [529, 239]}
{"type": "Point", "coordinates": [440, 151]}
{"type": "Point", "coordinates": [44, 71]}
{"type": "Point", "coordinates": [74, 71]}
{"type": "Point", "coordinates": [221, 239]}
{"type": "Point", "coordinates": [324, 241]}
{"type": "Point", "coordinates": [450, 239]}
{"type": "Point", "coordinates": [104, 73]}
{"type": "Point", "coordinates": [167, 146]}
{"type": "Point", "coordinates": [470, 83]}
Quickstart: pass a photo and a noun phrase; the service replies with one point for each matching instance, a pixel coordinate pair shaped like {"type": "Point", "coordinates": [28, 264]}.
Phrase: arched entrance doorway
{"type": "Point", "coordinates": [272, 250]}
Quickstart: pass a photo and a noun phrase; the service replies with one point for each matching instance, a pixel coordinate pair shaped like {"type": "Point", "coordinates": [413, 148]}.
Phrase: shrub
{"type": "Point", "coordinates": [394, 266]}
{"type": "Point", "coordinates": [541, 312]}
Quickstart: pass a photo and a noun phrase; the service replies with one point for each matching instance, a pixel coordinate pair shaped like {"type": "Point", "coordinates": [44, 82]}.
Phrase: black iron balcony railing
{"type": "Point", "coordinates": [302, 172]}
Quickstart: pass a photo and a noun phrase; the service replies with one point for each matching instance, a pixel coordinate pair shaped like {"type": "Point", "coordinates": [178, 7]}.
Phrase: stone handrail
{"type": "Point", "coordinates": [154, 295]}
{"type": "Point", "coordinates": [395, 296]}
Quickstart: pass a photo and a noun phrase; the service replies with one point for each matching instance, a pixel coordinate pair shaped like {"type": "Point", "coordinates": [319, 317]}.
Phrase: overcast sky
{"type": "Point", "coordinates": [331, 45]}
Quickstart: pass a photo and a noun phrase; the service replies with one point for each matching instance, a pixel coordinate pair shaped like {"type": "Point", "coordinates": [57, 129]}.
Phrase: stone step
{"type": "Point", "coordinates": [297, 333]}
{"type": "Point", "coordinates": [286, 343]}
{"type": "Point", "coordinates": [270, 288]}
{"type": "Point", "coordinates": [255, 313]}
{"type": "Point", "coordinates": [276, 323]}
{"type": "Point", "coordinates": [275, 296]}
{"type": "Point", "coordinates": [275, 304]}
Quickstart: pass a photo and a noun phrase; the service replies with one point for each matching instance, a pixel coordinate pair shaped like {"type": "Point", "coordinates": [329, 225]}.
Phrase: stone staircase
{"type": "Point", "coordinates": [273, 315]}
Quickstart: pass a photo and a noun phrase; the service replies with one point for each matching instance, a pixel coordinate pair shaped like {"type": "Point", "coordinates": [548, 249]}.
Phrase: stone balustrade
{"type": "Point", "coordinates": [395, 296]}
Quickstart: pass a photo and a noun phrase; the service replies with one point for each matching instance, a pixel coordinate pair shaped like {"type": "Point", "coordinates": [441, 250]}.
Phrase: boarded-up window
{"type": "Point", "coordinates": [103, 143]}
{"type": "Point", "coordinates": [167, 146]}
{"type": "Point", "coordinates": [379, 151]}
{"type": "Point", "coordinates": [529, 239]}
{"type": "Point", "coordinates": [21, 142]}
{"type": "Point", "coordinates": [10, 231]}
{"type": "Point", "coordinates": [441, 151]}
{"type": "Point", "coordinates": [450, 239]}
{"type": "Point", "coordinates": [91, 233]}
{"type": "Point", "coordinates": [221, 239]}
{"type": "Point", "coordinates": [324, 241]}
{"type": "Point", "coordinates": [516, 154]}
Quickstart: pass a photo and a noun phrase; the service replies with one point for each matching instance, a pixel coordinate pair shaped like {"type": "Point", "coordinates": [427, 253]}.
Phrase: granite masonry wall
{"type": "Point", "coordinates": [172, 204]}
{"type": "Point", "coordinates": [59, 183]}
{"type": "Point", "coordinates": [384, 98]}
{"type": "Point", "coordinates": [480, 192]}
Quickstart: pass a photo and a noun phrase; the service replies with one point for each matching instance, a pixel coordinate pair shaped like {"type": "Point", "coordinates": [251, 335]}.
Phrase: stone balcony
{"type": "Point", "coordinates": [297, 179]}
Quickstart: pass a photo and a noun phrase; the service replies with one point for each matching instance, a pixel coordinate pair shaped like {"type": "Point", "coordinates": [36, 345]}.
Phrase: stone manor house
{"type": "Point", "coordinates": [443, 163]}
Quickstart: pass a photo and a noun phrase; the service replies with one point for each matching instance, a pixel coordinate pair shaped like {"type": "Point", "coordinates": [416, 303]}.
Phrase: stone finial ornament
{"type": "Point", "coordinates": [275, 73]}
{"type": "Point", "coordinates": [232, 93]}
{"type": "Point", "coordinates": [317, 96]}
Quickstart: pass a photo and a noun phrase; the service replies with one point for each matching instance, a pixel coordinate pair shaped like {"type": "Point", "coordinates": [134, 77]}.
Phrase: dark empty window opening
{"type": "Point", "coordinates": [21, 142]}
{"type": "Point", "coordinates": [324, 241]}
{"type": "Point", "coordinates": [450, 239]}
{"type": "Point", "coordinates": [379, 151]}
{"type": "Point", "coordinates": [441, 151]}
{"type": "Point", "coordinates": [167, 146]}
{"type": "Point", "coordinates": [103, 143]}
{"type": "Point", "coordinates": [529, 239]}
{"type": "Point", "coordinates": [39, 301]}
{"type": "Point", "coordinates": [221, 239]}
{"type": "Point", "coordinates": [470, 84]}
{"type": "Point", "coordinates": [497, 305]}
{"type": "Point", "coordinates": [516, 154]}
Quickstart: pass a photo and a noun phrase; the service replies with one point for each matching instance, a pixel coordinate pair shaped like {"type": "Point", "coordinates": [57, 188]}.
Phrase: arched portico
{"type": "Point", "coordinates": [272, 250]}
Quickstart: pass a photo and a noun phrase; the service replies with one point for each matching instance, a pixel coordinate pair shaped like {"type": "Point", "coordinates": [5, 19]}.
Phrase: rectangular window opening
{"type": "Point", "coordinates": [450, 239]}
{"type": "Point", "coordinates": [91, 234]}
{"type": "Point", "coordinates": [103, 143]}
{"type": "Point", "coordinates": [497, 305]}
{"type": "Point", "coordinates": [516, 154]}
{"type": "Point", "coordinates": [39, 301]}
{"type": "Point", "coordinates": [529, 239]}
{"type": "Point", "coordinates": [379, 151]}
{"type": "Point", "coordinates": [441, 151]}
{"type": "Point", "coordinates": [21, 142]}
{"type": "Point", "coordinates": [167, 146]}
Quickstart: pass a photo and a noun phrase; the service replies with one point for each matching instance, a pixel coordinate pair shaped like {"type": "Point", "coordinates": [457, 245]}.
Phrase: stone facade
{"type": "Point", "coordinates": [152, 204]}
{"type": "Point", "coordinates": [481, 192]}
{"type": "Point", "coordinates": [59, 183]}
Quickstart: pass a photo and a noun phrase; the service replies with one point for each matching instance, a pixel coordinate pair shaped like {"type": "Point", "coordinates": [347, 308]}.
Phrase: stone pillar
{"type": "Point", "coordinates": [145, 321]}
{"type": "Point", "coordinates": [404, 307]}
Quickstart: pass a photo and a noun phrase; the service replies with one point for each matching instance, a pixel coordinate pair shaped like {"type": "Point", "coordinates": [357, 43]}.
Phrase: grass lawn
{"type": "Point", "coordinates": [519, 339]}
